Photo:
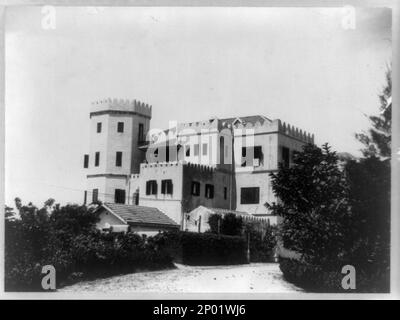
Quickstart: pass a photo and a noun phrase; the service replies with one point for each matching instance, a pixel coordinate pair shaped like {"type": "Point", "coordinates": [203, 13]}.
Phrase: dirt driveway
{"type": "Point", "coordinates": [252, 278]}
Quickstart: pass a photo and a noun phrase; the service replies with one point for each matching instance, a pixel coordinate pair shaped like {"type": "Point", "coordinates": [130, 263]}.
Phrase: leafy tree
{"type": "Point", "coordinates": [49, 202]}
{"type": "Point", "coordinates": [377, 140]}
{"type": "Point", "coordinates": [228, 224]}
{"type": "Point", "coordinates": [214, 221]}
{"type": "Point", "coordinates": [369, 192]}
{"type": "Point", "coordinates": [66, 237]}
{"type": "Point", "coordinates": [262, 240]}
{"type": "Point", "coordinates": [74, 219]}
{"type": "Point", "coordinates": [18, 203]}
{"type": "Point", "coordinates": [25, 241]}
{"type": "Point", "coordinates": [231, 225]}
{"type": "Point", "coordinates": [313, 201]}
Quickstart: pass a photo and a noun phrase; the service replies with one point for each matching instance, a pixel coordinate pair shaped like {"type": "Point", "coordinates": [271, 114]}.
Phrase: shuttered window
{"type": "Point", "coordinates": [151, 187]}
{"type": "Point", "coordinates": [166, 186]}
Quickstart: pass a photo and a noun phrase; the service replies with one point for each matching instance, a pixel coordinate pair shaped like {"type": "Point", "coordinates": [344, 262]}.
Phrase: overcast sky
{"type": "Point", "coordinates": [298, 65]}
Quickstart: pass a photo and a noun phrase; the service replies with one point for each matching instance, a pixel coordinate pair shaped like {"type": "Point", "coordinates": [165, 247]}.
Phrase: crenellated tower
{"type": "Point", "coordinates": [117, 129]}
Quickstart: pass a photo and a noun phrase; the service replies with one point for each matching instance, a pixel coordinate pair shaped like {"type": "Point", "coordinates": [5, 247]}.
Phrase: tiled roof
{"type": "Point", "coordinates": [226, 211]}
{"type": "Point", "coordinates": [140, 214]}
{"type": "Point", "coordinates": [251, 119]}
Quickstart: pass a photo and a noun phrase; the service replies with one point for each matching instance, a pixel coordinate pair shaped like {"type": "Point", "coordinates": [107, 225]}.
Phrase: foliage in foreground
{"type": "Point", "coordinates": [66, 238]}
{"type": "Point", "coordinates": [193, 248]}
{"type": "Point", "coordinates": [314, 205]}
{"type": "Point", "coordinates": [377, 140]}
{"type": "Point", "coordinates": [335, 217]}
{"type": "Point", "coordinates": [315, 278]}
{"type": "Point", "coordinates": [260, 235]}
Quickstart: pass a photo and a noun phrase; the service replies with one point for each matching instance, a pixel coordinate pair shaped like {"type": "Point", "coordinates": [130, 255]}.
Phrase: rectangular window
{"type": "Point", "coordinates": [85, 197]}
{"type": "Point", "coordinates": [167, 153]}
{"type": "Point", "coordinates": [187, 152]}
{"type": "Point", "coordinates": [195, 191]}
{"type": "Point", "coordinates": [86, 161]}
{"type": "Point", "coordinates": [258, 156]}
{"type": "Point", "coordinates": [196, 149]}
{"type": "Point", "coordinates": [204, 149]}
{"type": "Point", "coordinates": [97, 159]}
{"type": "Point", "coordinates": [209, 191]}
{"type": "Point", "coordinates": [151, 187]}
{"type": "Point", "coordinates": [95, 195]}
{"type": "Point", "coordinates": [120, 127]}
{"type": "Point", "coordinates": [118, 159]}
{"type": "Point", "coordinates": [98, 127]}
{"type": "Point", "coordinates": [244, 152]}
{"type": "Point", "coordinates": [166, 186]}
{"type": "Point", "coordinates": [250, 195]}
{"type": "Point", "coordinates": [225, 193]}
{"type": "Point", "coordinates": [119, 196]}
{"type": "Point", "coordinates": [285, 157]}
{"type": "Point", "coordinates": [141, 133]}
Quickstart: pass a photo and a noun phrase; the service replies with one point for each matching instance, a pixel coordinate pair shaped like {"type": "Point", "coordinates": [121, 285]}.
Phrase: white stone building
{"type": "Point", "coordinates": [215, 163]}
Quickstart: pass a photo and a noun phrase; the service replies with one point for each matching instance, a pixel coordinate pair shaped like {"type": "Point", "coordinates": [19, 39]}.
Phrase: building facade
{"type": "Point", "coordinates": [215, 163]}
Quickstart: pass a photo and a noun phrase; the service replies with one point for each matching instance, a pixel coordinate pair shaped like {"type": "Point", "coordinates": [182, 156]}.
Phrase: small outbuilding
{"type": "Point", "coordinates": [197, 219]}
{"type": "Point", "coordinates": [143, 220]}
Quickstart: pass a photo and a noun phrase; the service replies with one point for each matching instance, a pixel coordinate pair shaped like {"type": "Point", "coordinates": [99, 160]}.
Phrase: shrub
{"type": "Point", "coordinates": [203, 248]}
{"type": "Point", "coordinates": [67, 239]}
{"type": "Point", "coordinates": [334, 216]}
{"type": "Point", "coordinates": [227, 224]}
{"type": "Point", "coordinates": [99, 254]}
{"type": "Point", "coordinates": [262, 235]}
{"type": "Point", "coordinates": [262, 241]}
{"type": "Point", "coordinates": [314, 205]}
{"type": "Point", "coordinates": [315, 278]}
{"type": "Point", "coordinates": [369, 248]}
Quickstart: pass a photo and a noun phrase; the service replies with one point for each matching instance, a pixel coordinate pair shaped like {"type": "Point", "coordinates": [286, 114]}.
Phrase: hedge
{"type": "Point", "coordinates": [87, 256]}
{"type": "Point", "coordinates": [329, 279]}
{"type": "Point", "coordinates": [203, 249]}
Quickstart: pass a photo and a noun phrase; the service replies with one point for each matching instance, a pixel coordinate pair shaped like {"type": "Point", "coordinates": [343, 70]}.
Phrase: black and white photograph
{"type": "Point", "coordinates": [169, 150]}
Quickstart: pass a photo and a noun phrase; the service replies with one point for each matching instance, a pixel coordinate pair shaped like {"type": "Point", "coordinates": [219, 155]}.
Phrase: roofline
{"type": "Point", "coordinates": [240, 213]}
{"type": "Point", "coordinates": [150, 224]}
{"type": "Point", "coordinates": [116, 215]}
{"type": "Point", "coordinates": [126, 222]}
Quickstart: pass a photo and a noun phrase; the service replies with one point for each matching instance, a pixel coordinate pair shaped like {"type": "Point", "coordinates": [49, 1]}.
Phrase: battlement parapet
{"type": "Point", "coordinates": [121, 105]}
{"type": "Point", "coordinates": [263, 126]}
{"type": "Point", "coordinates": [295, 132]}
{"type": "Point", "coordinates": [159, 164]}
{"type": "Point", "coordinates": [200, 167]}
{"type": "Point", "coordinates": [268, 126]}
